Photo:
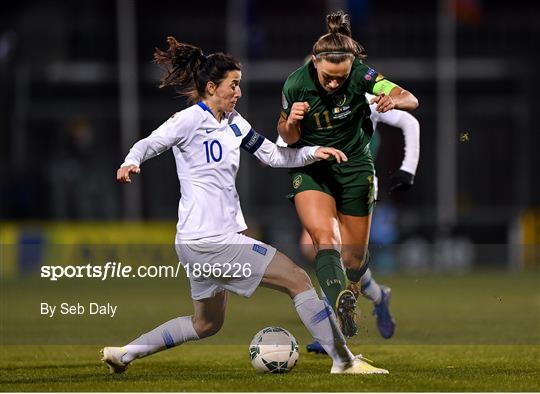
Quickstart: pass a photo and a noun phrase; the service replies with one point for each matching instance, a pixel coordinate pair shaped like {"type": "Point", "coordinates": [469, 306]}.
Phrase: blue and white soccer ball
{"type": "Point", "coordinates": [273, 349]}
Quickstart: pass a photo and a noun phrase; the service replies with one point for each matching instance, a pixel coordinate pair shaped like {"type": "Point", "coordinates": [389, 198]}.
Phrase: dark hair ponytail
{"type": "Point", "coordinates": [189, 70]}
{"type": "Point", "coordinates": [338, 45]}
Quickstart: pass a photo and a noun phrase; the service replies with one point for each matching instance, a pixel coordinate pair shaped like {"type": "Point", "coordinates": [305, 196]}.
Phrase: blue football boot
{"type": "Point", "coordinates": [315, 347]}
{"type": "Point", "coordinates": [385, 322]}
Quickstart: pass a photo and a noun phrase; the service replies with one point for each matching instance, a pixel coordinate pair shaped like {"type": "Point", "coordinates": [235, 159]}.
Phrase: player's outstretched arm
{"type": "Point", "coordinates": [322, 153]}
{"type": "Point", "coordinates": [410, 128]}
{"type": "Point", "coordinates": [153, 145]}
{"type": "Point", "coordinates": [169, 134]}
{"type": "Point", "coordinates": [326, 153]}
{"type": "Point", "coordinates": [403, 178]}
{"type": "Point", "coordinates": [276, 156]}
{"type": "Point", "coordinates": [280, 157]}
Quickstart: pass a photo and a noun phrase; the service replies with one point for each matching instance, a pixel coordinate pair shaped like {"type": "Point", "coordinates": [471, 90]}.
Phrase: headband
{"type": "Point", "coordinates": [333, 53]}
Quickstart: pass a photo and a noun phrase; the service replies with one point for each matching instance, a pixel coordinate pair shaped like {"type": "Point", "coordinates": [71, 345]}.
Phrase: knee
{"type": "Point", "coordinates": [206, 328]}
{"type": "Point", "coordinates": [324, 237]}
{"type": "Point", "coordinates": [299, 282]}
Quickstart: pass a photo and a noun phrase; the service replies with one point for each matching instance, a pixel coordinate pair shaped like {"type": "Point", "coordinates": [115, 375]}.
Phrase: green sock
{"type": "Point", "coordinates": [330, 274]}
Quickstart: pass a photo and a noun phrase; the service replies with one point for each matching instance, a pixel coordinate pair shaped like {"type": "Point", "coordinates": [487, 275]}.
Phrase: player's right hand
{"type": "Point", "coordinates": [384, 103]}
{"type": "Point", "coordinates": [122, 175]}
{"type": "Point", "coordinates": [298, 111]}
{"type": "Point", "coordinates": [326, 153]}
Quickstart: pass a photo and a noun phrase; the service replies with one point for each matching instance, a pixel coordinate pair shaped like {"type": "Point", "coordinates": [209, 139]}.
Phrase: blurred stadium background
{"type": "Point", "coordinates": [461, 249]}
{"type": "Point", "coordinates": [78, 89]}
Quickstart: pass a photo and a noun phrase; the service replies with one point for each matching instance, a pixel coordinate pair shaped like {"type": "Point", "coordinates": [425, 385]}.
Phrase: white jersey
{"type": "Point", "coordinates": [207, 158]}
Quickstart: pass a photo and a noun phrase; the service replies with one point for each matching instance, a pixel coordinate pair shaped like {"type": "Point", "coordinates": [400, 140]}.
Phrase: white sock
{"type": "Point", "coordinates": [370, 288]}
{"type": "Point", "coordinates": [321, 323]}
{"type": "Point", "coordinates": [169, 334]}
{"type": "Point", "coordinates": [322, 296]}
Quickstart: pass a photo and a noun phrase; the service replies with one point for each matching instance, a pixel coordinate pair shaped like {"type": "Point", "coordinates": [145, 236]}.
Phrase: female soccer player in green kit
{"type": "Point", "coordinates": [323, 103]}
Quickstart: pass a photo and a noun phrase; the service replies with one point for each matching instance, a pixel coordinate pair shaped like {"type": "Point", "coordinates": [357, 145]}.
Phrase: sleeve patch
{"type": "Point", "coordinates": [236, 130]}
{"type": "Point", "coordinates": [260, 249]}
{"type": "Point", "coordinates": [284, 102]}
{"type": "Point", "coordinates": [252, 141]}
{"type": "Point", "coordinates": [370, 74]}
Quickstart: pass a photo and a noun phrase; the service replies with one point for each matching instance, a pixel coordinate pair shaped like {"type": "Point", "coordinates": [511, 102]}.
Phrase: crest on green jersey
{"type": "Point", "coordinates": [297, 181]}
{"type": "Point", "coordinates": [339, 99]}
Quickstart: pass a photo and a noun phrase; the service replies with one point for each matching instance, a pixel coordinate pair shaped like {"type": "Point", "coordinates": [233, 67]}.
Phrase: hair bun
{"type": "Point", "coordinates": [339, 22]}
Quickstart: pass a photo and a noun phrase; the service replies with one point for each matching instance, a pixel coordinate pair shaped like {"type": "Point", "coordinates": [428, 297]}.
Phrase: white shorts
{"type": "Point", "coordinates": [231, 262]}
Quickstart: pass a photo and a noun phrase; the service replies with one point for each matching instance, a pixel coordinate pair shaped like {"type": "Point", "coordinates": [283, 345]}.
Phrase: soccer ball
{"type": "Point", "coordinates": [273, 349]}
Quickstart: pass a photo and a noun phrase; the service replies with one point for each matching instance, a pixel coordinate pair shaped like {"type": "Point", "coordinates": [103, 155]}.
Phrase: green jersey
{"type": "Point", "coordinates": [341, 119]}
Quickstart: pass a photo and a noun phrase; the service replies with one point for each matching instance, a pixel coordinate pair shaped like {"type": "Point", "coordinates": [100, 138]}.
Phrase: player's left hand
{"type": "Point", "coordinates": [123, 173]}
{"type": "Point", "coordinates": [384, 103]}
{"type": "Point", "coordinates": [401, 181]}
{"type": "Point", "coordinates": [326, 153]}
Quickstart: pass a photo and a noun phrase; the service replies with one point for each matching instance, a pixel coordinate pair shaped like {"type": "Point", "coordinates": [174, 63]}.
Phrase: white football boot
{"type": "Point", "coordinates": [112, 356]}
{"type": "Point", "coordinates": [357, 366]}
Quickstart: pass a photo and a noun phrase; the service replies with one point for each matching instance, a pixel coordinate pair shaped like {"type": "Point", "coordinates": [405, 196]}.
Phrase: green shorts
{"type": "Point", "coordinates": [351, 184]}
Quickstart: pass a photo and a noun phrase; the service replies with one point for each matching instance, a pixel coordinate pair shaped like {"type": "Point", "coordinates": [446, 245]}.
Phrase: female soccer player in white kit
{"type": "Point", "coordinates": [205, 139]}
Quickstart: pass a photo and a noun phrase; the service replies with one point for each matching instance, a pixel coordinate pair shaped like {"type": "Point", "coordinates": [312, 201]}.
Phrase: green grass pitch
{"type": "Point", "coordinates": [479, 332]}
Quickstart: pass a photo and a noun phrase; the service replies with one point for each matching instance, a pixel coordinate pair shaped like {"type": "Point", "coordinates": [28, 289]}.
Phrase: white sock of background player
{"type": "Point", "coordinates": [370, 288]}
